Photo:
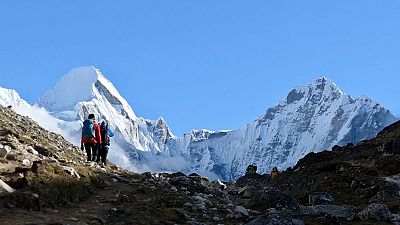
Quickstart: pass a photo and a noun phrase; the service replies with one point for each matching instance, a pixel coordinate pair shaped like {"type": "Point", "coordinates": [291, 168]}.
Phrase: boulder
{"type": "Point", "coordinates": [321, 198]}
{"type": "Point", "coordinates": [375, 211]}
{"type": "Point", "coordinates": [26, 162]}
{"type": "Point", "coordinates": [330, 211]}
{"type": "Point", "coordinates": [192, 184]}
{"type": "Point", "coordinates": [5, 188]}
{"type": "Point", "coordinates": [242, 210]}
{"type": "Point", "coordinates": [275, 219]}
{"type": "Point", "coordinates": [262, 198]}
{"type": "Point", "coordinates": [389, 191]}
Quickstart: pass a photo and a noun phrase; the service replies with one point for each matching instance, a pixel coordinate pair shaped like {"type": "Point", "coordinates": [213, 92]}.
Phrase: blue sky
{"type": "Point", "coordinates": [204, 64]}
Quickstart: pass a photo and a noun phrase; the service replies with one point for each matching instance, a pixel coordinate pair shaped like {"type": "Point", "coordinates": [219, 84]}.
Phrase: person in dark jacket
{"type": "Point", "coordinates": [91, 142]}
{"type": "Point", "coordinates": [105, 145]}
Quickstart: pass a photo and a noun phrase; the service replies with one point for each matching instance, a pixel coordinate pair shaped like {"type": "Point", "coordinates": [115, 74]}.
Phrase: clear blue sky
{"type": "Point", "coordinates": [204, 64]}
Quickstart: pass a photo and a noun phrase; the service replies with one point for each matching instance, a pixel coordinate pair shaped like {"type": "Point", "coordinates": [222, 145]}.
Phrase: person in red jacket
{"type": "Point", "coordinates": [91, 137]}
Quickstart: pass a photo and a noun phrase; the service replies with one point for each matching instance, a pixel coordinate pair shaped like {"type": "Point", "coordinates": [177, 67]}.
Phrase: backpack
{"type": "Point", "coordinates": [251, 169]}
{"type": "Point", "coordinates": [88, 130]}
{"type": "Point", "coordinates": [105, 137]}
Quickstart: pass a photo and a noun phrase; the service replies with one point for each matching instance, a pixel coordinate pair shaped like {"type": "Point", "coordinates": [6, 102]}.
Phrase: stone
{"type": "Point", "coordinates": [217, 184]}
{"type": "Point", "coordinates": [31, 150]}
{"type": "Point", "coordinates": [4, 150]}
{"type": "Point", "coordinates": [275, 219]}
{"type": "Point", "coordinates": [122, 198]}
{"type": "Point", "coordinates": [147, 175]}
{"type": "Point", "coordinates": [107, 184]}
{"type": "Point", "coordinates": [321, 198]}
{"type": "Point", "coordinates": [12, 156]}
{"type": "Point", "coordinates": [201, 206]}
{"type": "Point", "coordinates": [389, 192]}
{"type": "Point", "coordinates": [216, 219]}
{"type": "Point", "coordinates": [121, 179]}
{"type": "Point", "coordinates": [242, 210]}
{"type": "Point", "coordinates": [263, 198]}
{"type": "Point", "coordinates": [193, 184]}
{"type": "Point", "coordinates": [51, 160]}
{"type": "Point", "coordinates": [5, 188]}
{"type": "Point", "coordinates": [188, 205]}
{"type": "Point", "coordinates": [199, 198]}
{"type": "Point", "coordinates": [333, 211]}
{"type": "Point", "coordinates": [153, 188]}
{"type": "Point", "coordinates": [395, 219]}
{"type": "Point", "coordinates": [376, 211]}
{"type": "Point", "coordinates": [26, 162]}
{"type": "Point", "coordinates": [71, 171]}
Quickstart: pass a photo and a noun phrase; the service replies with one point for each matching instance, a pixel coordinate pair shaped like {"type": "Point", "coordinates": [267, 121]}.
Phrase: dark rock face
{"type": "Point", "coordinates": [379, 212]}
{"type": "Point", "coordinates": [372, 121]}
{"type": "Point", "coordinates": [293, 96]}
{"type": "Point", "coordinates": [110, 97]}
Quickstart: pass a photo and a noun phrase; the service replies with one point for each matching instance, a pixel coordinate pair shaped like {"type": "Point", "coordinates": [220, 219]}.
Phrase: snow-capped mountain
{"type": "Point", "coordinates": [311, 118]}
{"type": "Point", "coordinates": [85, 90]}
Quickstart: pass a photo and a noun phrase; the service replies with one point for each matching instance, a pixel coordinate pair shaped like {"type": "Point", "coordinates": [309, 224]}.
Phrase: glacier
{"type": "Point", "coordinates": [312, 117]}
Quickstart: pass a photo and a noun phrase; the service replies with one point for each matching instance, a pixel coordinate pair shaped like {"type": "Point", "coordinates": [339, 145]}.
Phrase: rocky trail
{"type": "Point", "coordinates": [44, 180]}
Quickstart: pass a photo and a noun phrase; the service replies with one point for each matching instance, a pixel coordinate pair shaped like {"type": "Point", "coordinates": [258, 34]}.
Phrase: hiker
{"type": "Point", "coordinates": [105, 145]}
{"type": "Point", "coordinates": [251, 169]}
{"type": "Point", "coordinates": [274, 172]}
{"type": "Point", "coordinates": [91, 137]}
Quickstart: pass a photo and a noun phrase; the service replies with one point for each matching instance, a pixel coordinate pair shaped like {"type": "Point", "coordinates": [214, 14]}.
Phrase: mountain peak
{"type": "Point", "coordinates": [74, 87]}
{"type": "Point", "coordinates": [325, 84]}
{"type": "Point", "coordinates": [315, 90]}
{"type": "Point", "coordinates": [81, 84]}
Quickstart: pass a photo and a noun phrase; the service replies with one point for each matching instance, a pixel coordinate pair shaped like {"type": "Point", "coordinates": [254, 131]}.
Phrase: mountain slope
{"type": "Point", "coordinates": [355, 174]}
{"type": "Point", "coordinates": [9, 97]}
